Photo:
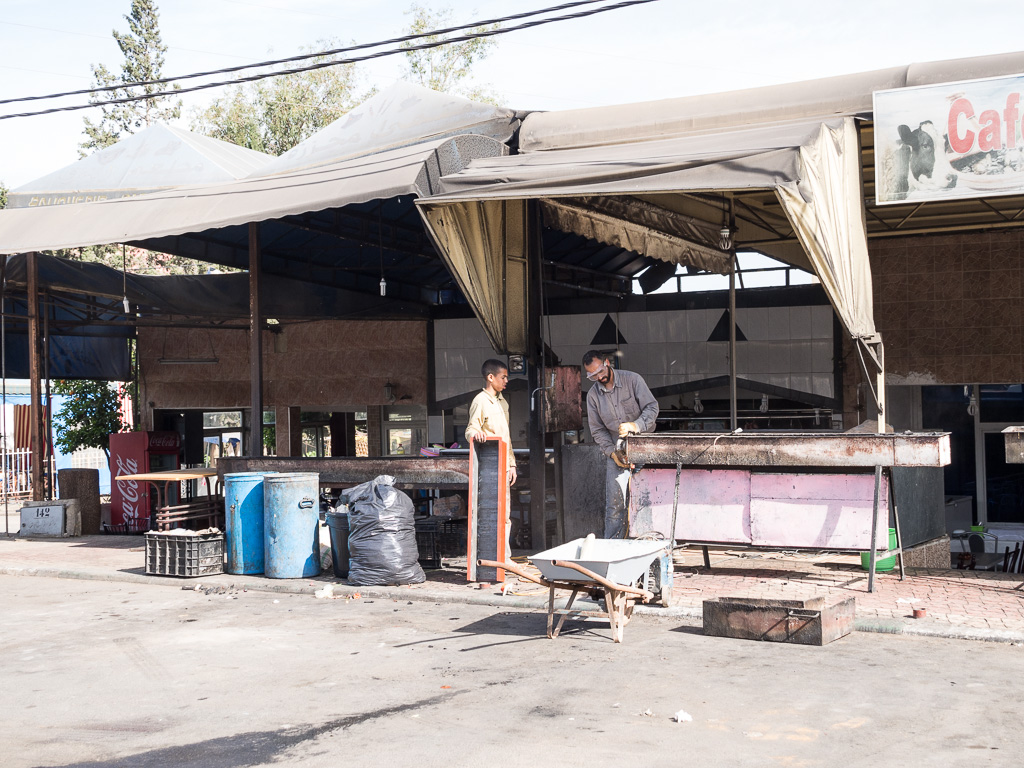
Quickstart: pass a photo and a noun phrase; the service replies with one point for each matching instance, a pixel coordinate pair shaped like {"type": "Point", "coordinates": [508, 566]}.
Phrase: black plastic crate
{"type": "Point", "coordinates": [187, 556]}
{"type": "Point", "coordinates": [428, 543]}
{"type": "Point", "coordinates": [452, 533]}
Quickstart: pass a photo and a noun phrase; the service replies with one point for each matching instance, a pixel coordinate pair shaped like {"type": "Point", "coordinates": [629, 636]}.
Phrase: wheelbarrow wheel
{"type": "Point", "coordinates": [657, 583]}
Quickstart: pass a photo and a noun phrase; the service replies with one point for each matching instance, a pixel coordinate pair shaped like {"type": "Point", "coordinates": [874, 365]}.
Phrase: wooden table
{"type": "Point", "coordinates": [208, 509]}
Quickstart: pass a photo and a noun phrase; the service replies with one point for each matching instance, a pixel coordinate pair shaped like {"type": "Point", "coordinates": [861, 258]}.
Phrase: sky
{"type": "Point", "coordinates": [664, 49]}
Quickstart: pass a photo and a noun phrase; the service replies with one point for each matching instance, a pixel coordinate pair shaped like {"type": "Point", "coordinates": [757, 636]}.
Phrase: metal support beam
{"type": "Point", "coordinates": [538, 491]}
{"type": "Point", "coordinates": [255, 344]}
{"type": "Point", "coordinates": [35, 367]}
{"type": "Point", "coordinates": [48, 410]}
{"type": "Point", "coordinates": [732, 317]}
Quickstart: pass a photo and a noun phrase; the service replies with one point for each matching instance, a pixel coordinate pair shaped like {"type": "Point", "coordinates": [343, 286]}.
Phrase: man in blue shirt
{"type": "Point", "coordinates": [619, 404]}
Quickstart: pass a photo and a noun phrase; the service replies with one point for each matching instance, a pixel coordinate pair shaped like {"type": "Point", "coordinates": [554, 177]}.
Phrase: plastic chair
{"type": "Point", "coordinates": [980, 559]}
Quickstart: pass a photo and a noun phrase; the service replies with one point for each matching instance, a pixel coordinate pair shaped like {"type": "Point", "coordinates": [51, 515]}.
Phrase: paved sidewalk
{"type": "Point", "coordinates": [960, 604]}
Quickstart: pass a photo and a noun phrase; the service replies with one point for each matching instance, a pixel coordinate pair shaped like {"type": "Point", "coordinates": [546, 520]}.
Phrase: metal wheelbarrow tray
{"type": "Point", "coordinates": [609, 568]}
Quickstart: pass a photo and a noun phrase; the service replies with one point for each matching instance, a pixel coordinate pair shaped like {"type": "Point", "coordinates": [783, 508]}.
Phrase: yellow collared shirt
{"type": "Point", "coordinates": [489, 414]}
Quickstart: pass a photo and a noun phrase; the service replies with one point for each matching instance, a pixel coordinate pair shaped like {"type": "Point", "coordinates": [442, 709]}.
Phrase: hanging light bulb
{"type": "Point", "coordinates": [725, 238]}
{"type": "Point", "coordinates": [972, 406]}
{"type": "Point", "coordinates": [383, 286]}
{"type": "Point", "coordinates": [698, 406]}
{"type": "Point", "coordinates": [764, 404]}
{"type": "Point", "coordinates": [124, 301]}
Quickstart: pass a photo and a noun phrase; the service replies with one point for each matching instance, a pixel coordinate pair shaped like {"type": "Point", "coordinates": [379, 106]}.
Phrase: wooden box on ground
{"type": "Point", "coordinates": [807, 622]}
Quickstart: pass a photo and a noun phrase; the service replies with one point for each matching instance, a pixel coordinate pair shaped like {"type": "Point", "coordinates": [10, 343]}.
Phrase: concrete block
{"type": "Point", "coordinates": [51, 518]}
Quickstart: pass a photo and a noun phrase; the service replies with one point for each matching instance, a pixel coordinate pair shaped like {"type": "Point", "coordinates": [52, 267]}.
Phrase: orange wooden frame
{"type": "Point", "coordinates": [503, 511]}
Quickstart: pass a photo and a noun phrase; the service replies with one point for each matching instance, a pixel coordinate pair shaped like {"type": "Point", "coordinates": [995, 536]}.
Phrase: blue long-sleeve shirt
{"type": "Point", "coordinates": [629, 399]}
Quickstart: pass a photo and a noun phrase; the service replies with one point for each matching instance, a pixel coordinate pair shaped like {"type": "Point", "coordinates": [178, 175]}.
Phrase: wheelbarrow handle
{"type": "Point", "coordinates": [647, 596]}
{"type": "Point", "coordinates": [513, 568]}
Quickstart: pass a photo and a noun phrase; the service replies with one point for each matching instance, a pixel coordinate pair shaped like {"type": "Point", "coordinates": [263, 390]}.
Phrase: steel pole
{"type": "Point", "coordinates": [732, 317]}
{"type": "Point", "coordinates": [255, 344]}
{"type": "Point", "coordinates": [538, 489]}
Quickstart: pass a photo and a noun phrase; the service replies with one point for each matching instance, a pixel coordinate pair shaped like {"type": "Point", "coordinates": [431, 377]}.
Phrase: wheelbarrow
{"type": "Point", "coordinates": [619, 570]}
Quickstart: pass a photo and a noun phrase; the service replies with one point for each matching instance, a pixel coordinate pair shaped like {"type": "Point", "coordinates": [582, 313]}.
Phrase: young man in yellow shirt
{"type": "Point", "coordinates": [488, 413]}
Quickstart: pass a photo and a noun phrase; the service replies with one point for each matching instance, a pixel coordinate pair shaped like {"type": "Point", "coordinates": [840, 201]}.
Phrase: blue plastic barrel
{"type": "Point", "coordinates": [291, 512]}
{"type": "Point", "coordinates": [243, 521]}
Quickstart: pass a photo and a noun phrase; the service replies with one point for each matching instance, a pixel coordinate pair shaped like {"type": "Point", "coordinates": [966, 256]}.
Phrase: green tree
{"type": "Point", "coordinates": [137, 260]}
{"type": "Point", "coordinates": [3, 195]}
{"type": "Point", "coordinates": [91, 411]}
{"type": "Point", "coordinates": [275, 114]}
{"type": "Point", "coordinates": [143, 51]}
{"type": "Point", "coordinates": [447, 67]}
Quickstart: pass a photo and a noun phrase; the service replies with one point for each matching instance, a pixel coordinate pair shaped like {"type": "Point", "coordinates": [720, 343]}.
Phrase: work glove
{"type": "Point", "coordinates": [619, 457]}
{"type": "Point", "coordinates": [628, 428]}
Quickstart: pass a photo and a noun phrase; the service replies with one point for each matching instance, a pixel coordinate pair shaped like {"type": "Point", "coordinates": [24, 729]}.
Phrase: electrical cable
{"type": "Point", "coordinates": [334, 63]}
{"type": "Point", "coordinates": [304, 56]}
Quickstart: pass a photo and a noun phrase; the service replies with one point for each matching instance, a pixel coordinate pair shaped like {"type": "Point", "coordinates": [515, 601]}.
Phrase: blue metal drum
{"type": "Point", "coordinates": [291, 518]}
{"type": "Point", "coordinates": [243, 521]}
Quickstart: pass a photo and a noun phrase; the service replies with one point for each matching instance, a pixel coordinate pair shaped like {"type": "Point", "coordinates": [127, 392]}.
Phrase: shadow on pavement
{"type": "Point", "coordinates": [252, 748]}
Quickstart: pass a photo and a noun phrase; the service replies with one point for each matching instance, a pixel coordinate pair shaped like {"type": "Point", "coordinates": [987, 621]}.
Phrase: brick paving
{"type": "Point", "coordinates": [955, 601]}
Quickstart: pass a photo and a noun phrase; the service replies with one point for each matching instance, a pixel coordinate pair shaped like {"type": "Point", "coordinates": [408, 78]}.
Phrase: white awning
{"type": "Point", "coordinates": [160, 157]}
{"type": "Point", "coordinates": [398, 116]}
{"type": "Point", "coordinates": [812, 166]}
{"type": "Point", "coordinates": [411, 170]}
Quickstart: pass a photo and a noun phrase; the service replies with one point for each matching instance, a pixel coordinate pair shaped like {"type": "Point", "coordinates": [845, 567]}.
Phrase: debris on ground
{"type": "Point", "coordinates": [682, 717]}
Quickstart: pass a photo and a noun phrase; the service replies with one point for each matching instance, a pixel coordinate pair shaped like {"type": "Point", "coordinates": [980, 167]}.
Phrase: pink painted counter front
{"type": "Point", "coordinates": [750, 507]}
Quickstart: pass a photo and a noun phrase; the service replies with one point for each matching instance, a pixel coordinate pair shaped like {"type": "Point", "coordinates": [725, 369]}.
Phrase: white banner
{"type": "Point", "coordinates": [947, 141]}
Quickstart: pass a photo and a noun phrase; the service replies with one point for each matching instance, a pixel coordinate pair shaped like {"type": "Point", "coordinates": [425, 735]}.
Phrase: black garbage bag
{"type": "Point", "coordinates": [382, 535]}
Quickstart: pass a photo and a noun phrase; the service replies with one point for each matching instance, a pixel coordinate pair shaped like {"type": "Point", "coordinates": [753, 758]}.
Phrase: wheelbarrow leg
{"type": "Point", "coordinates": [564, 616]}
{"type": "Point", "coordinates": [615, 601]}
{"type": "Point", "coordinates": [551, 611]}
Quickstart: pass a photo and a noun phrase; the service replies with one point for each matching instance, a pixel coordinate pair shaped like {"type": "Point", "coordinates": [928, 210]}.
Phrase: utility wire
{"type": "Point", "coordinates": [306, 56]}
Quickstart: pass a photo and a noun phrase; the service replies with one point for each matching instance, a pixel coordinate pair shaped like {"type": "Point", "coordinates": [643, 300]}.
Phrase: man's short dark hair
{"type": "Point", "coordinates": [492, 367]}
{"type": "Point", "coordinates": [593, 355]}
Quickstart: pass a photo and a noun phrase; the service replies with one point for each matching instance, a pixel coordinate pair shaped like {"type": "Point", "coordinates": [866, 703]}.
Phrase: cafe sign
{"type": "Point", "coordinates": [949, 141]}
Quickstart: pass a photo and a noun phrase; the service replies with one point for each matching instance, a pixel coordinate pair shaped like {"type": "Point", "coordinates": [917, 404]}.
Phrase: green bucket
{"type": "Point", "coordinates": [880, 565]}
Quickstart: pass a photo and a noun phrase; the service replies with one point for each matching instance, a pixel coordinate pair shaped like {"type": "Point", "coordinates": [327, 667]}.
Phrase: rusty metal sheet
{"type": "Point", "coordinates": [409, 471]}
{"type": "Point", "coordinates": [808, 449]}
{"type": "Point", "coordinates": [806, 622]}
{"type": "Point", "coordinates": [1014, 437]}
{"type": "Point", "coordinates": [563, 402]}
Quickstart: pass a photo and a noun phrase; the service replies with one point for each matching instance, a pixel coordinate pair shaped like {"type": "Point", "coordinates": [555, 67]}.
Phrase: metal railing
{"type": "Point", "coordinates": [17, 474]}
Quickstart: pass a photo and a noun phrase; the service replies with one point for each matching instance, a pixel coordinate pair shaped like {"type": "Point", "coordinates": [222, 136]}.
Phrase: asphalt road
{"type": "Point", "coordinates": [109, 674]}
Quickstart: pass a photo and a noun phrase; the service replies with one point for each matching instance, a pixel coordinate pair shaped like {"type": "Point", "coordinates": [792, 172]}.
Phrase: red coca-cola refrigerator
{"type": "Point", "coordinates": [133, 453]}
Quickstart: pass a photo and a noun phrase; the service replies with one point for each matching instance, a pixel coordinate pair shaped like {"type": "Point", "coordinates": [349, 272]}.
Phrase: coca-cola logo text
{"type": "Point", "coordinates": [163, 440]}
{"type": "Point", "coordinates": [129, 488]}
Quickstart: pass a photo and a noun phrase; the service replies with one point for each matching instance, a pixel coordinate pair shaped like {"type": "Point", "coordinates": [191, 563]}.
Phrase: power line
{"type": "Point", "coordinates": [307, 56]}
{"type": "Point", "coordinates": [336, 62]}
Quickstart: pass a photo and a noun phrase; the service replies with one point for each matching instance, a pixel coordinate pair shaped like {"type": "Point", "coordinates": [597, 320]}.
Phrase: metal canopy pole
{"type": "Point", "coordinates": [255, 344]}
{"type": "Point", "coordinates": [3, 393]}
{"type": "Point", "coordinates": [732, 316]}
{"type": "Point", "coordinates": [538, 491]}
{"type": "Point", "coordinates": [48, 411]}
{"type": "Point", "coordinates": [35, 374]}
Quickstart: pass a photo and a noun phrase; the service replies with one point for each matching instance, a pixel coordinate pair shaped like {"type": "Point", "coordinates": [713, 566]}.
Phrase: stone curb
{"type": "Point", "coordinates": [691, 615]}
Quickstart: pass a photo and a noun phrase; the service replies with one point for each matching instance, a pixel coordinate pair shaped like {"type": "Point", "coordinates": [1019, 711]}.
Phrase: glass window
{"type": "Point", "coordinates": [1002, 403]}
{"type": "Point", "coordinates": [219, 419]}
{"type": "Point", "coordinates": [399, 441]}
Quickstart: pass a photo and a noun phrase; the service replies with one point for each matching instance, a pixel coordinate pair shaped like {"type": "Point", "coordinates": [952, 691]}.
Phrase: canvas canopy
{"type": "Point", "coordinates": [410, 170]}
{"type": "Point", "coordinates": [812, 166]}
{"type": "Point", "coordinates": [160, 157]}
{"type": "Point", "coordinates": [398, 116]}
